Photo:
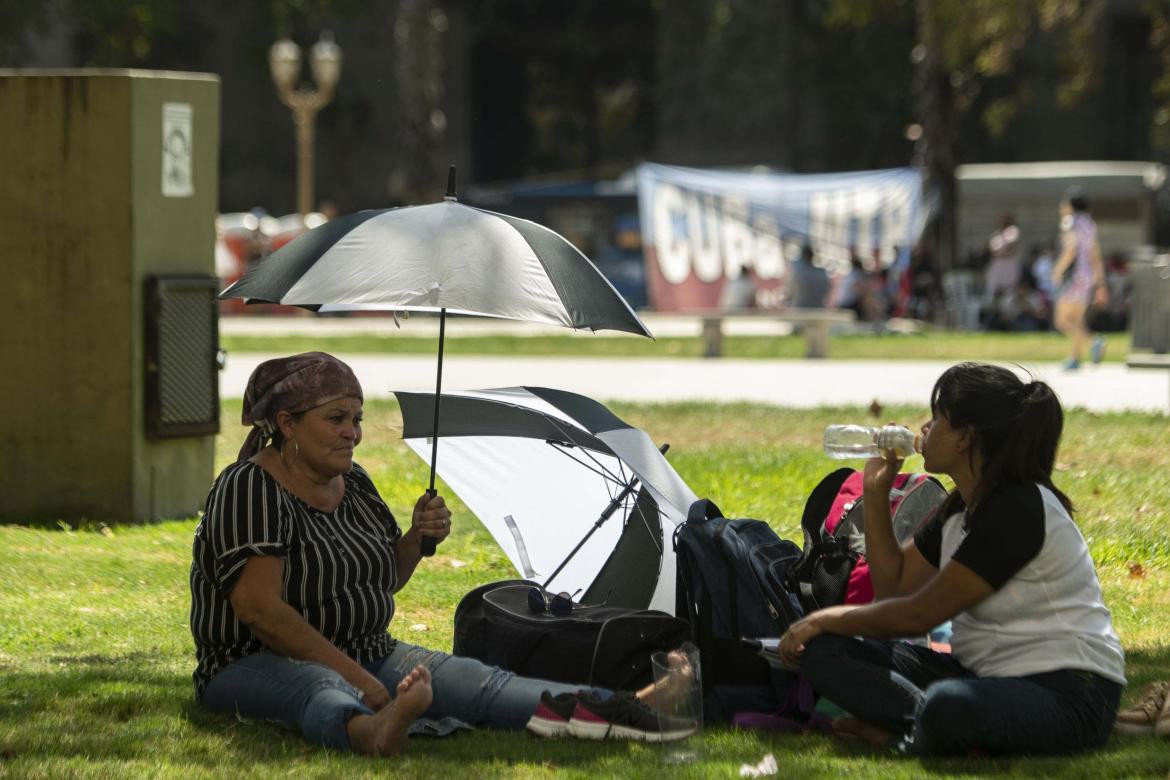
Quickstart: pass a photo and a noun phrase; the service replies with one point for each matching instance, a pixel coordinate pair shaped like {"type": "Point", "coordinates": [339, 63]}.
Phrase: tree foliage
{"type": "Point", "coordinates": [1159, 14]}
{"type": "Point", "coordinates": [584, 73]}
{"type": "Point", "coordinates": [978, 43]}
{"type": "Point", "coordinates": [967, 57]}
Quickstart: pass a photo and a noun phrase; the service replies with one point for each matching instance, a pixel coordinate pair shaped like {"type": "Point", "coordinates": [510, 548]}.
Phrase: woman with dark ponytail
{"type": "Point", "coordinates": [1036, 666]}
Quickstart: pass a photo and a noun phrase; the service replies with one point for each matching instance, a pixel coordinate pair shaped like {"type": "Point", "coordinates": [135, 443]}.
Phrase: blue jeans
{"type": "Point", "coordinates": [316, 701]}
{"type": "Point", "coordinates": [935, 706]}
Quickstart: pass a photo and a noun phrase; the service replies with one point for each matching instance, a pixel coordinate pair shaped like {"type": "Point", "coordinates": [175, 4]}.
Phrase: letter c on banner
{"type": "Point", "coordinates": [673, 251]}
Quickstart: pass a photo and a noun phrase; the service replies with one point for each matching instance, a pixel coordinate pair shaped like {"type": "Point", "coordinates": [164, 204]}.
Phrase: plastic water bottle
{"type": "Point", "coordinates": [867, 441]}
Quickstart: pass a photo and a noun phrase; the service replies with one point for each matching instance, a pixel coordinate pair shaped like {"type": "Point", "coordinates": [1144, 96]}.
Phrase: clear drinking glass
{"type": "Point", "coordinates": [678, 686]}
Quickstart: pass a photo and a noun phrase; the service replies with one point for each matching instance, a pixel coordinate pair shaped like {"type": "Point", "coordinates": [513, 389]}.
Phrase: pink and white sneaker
{"type": "Point", "coordinates": [552, 714]}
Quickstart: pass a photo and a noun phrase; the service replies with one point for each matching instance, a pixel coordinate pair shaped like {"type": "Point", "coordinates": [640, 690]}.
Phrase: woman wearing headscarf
{"type": "Point", "coordinates": [295, 565]}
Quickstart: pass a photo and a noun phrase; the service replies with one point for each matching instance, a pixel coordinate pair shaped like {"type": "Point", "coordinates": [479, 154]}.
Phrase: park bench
{"type": "Point", "coordinates": [814, 323]}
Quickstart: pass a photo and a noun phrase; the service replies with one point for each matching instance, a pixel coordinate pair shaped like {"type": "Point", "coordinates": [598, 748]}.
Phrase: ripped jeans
{"type": "Point", "coordinates": [316, 701]}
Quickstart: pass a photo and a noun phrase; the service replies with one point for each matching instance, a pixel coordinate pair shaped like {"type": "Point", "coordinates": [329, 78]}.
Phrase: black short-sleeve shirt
{"type": "Point", "coordinates": [339, 566]}
{"type": "Point", "coordinates": [1002, 536]}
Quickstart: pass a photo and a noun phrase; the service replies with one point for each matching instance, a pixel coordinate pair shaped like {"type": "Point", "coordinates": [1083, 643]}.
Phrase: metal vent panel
{"type": "Point", "coordinates": [182, 344]}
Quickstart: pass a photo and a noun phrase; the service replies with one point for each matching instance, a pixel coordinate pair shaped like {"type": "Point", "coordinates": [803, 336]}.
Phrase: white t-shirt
{"type": "Point", "coordinates": [1047, 611]}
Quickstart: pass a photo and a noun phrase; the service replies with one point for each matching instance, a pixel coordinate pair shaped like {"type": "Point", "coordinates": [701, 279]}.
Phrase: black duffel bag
{"type": "Point", "coordinates": [608, 647]}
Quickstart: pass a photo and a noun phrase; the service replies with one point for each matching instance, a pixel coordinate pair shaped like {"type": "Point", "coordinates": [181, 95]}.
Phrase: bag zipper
{"type": "Point", "coordinates": [773, 610]}
{"type": "Point", "coordinates": [721, 546]}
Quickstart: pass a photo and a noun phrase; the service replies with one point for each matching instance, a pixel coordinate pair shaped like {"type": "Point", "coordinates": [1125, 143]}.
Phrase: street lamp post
{"type": "Point", "coordinates": [284, 59]}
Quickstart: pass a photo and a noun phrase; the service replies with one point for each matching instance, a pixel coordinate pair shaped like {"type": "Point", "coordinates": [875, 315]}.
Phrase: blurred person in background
{"type": "Point", "coordinates": [921, 285]}
{"type": "Point", "coordinates": [1120, 285]}
{"type": "Point", "coordinates": [808, 284]}
{"type": "Point", "coordinates": [1003, 271]}
{"type": "Point", "coordinates": [1079, 277]}
{"type": "Point", "coordinates": [851, 288]}
{"type": "Point", "coordinates": [1041, 269]}
{"type": "Point", "coordinates": [739, 292]}
{"type": "Point", "coordinates": [1024, 309]}
{"type": "Point", "coordinates": [876, 301]}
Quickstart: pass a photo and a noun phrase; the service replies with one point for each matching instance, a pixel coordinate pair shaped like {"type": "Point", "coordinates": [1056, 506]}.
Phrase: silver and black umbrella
{"type": "Point", "coordinates": [579, 500]}
{"type": "Point", "coordinates": [445, 258]}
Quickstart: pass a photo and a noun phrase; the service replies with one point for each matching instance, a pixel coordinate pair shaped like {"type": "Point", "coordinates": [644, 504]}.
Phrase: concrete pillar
{"type": "Point", "coordinates": [108, 177]}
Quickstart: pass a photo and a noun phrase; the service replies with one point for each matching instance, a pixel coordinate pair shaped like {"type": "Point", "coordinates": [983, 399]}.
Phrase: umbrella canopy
{"type": "Point", "coordinates": [441, 256]}
{"type": "Point", "coordinates": [540, 468]}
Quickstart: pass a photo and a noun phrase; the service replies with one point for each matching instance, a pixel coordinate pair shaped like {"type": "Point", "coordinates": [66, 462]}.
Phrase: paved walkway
{"type": "Point", "coordinates": [798, 383]}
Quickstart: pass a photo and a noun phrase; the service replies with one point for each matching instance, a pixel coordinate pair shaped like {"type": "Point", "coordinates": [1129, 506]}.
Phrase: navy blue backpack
{"type": "Point", "coordinates": [731, 585]}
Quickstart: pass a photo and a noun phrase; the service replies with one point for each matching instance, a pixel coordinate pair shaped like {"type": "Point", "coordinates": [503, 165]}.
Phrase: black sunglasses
{"type": "Point", "coordinates": [560, 605]}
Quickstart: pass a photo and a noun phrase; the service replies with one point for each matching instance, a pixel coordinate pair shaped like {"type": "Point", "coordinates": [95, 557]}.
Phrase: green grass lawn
{"type": "Point", "coordinates": [95, 655]}
{"type": "Point", "coordinates": [930, 345]}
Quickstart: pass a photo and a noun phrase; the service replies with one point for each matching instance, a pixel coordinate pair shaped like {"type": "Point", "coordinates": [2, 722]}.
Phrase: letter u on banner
{"type": "Point", "coordinates": [703, 229]}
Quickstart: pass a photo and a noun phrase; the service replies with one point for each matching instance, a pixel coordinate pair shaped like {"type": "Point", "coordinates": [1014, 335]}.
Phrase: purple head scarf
{"type": "Point", "coordinates": [294, 384]}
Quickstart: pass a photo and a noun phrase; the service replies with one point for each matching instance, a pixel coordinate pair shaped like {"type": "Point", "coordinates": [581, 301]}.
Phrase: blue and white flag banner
{"type": "Point", "coordinates": [701, 228]}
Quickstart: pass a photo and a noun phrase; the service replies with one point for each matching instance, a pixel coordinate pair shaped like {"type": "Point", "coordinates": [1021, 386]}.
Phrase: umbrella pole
{"type": "Point", "coordinates": [614, 503]}
{"type": "Point", "coordinates": [428, 542]}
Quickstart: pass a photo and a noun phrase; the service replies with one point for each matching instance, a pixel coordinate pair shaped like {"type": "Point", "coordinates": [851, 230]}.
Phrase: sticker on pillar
{"type": "Point", "coordinates": [176, 151]}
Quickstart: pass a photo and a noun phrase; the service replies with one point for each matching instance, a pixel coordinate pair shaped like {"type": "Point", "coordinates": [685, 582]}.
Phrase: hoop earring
{"type": "Point", "coordinates": [295, 456]}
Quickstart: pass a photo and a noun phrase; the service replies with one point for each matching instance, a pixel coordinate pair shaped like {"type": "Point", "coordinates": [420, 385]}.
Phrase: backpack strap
{"type": "Point", "coordinates": [686, 594]}
{"type": "Point", "coordinates": [818, 504]}
{"type": "Point", "coordinates": [812, 521]}
{"type": "Point", "coordinates": [820, 501]}
{"type": "Point", "coordinates": [703, 509]}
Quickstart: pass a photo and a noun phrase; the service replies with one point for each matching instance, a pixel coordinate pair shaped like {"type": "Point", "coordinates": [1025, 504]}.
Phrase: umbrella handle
{"type": "Point", "coordinates": [428, 544]}
{"type": "Point", "coordinates": [427, 548]}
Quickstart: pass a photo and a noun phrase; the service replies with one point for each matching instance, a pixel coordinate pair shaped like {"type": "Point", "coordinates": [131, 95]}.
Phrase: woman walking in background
{"type": "Point", "coordinates": [1079, 278]}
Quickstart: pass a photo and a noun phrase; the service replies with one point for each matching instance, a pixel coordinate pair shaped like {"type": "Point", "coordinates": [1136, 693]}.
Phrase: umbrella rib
{"type": "Point", "coordinates": [625, 478]}
{"type": "Point", "coordinates": [599, 469]}
{"type": "Point", "coordinates": [556, 424]}
{"type": "Point", "coordinates": [646, 524]}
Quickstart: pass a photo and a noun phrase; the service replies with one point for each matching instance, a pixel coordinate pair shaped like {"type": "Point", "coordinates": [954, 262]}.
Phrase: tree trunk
{"type": "Point", "coordinates": [419, 174]}
{"type": "Point", "coordinates": [938, 117]}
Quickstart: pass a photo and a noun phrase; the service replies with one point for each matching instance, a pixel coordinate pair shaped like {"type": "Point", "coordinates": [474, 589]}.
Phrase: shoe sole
{"type": "Point", "coordinates": [588, 729]}
{"type": "Point", "coordinates": [1163, 728]}
{"type": "Point", "coordinates": [1134, 729]}
{"type": "Point", "coordinates": [584, 729]}
{"type": "Point", "coordinates": [544, 727]}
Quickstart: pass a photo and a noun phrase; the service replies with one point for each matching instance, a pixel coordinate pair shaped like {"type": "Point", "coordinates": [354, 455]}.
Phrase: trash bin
{"type": "Point", "coordinates": [1150, 305]}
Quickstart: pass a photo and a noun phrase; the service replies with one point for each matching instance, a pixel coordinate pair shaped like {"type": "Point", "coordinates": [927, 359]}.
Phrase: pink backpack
{"type": "Point", "coordinates": [832, 567]}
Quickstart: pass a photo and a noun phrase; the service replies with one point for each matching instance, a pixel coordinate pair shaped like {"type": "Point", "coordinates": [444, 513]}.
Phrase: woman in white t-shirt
{"type": "Point", "coordinates": [1036, 666]}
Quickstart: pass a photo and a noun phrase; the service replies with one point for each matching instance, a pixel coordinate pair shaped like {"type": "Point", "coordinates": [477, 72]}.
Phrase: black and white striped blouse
{"type": "Point", "coordinates": [339, 566]}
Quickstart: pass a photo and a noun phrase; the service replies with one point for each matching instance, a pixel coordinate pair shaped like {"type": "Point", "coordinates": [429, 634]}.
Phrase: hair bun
{"type": "Point", "coordinates": [1036, 391]}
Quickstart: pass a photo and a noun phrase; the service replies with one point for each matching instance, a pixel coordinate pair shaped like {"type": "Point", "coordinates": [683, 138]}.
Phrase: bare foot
{"type": "Point", "coordinates": [384, 732]}
{"type": "Point", "coordinates": [658, 694]}
{"type": "Point", "coordinates": [856, 728]}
